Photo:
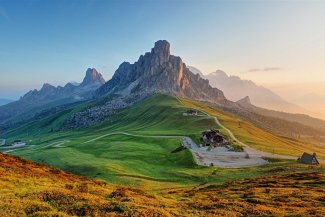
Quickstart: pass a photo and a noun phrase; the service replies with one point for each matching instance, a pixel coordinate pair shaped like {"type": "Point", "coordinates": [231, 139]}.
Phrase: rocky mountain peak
{"type": "Point", "coordinates": [92, 77]}
{"type": "Point", "coordinates": [162, 50]}
{"type": "Point", "coordinates": [47, 86]}
{"type": "Point", "coordinates": [244, 101]}
{"type": "Point", "coordinates": [159, 71]}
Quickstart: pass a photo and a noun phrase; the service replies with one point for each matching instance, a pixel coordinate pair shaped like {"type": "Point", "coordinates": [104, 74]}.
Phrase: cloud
{"type": "Point", "coordinates": [254, 70]}
{"type": "Point", "coordinates": [272, 69]}
{"type": "Point", "coordinates": [3, 13]}
{"type": "Point", "coordinates": [268, 69]}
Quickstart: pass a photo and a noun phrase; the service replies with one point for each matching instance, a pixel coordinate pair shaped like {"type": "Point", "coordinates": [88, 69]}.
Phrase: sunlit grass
{"type": "Point", "coordinates": [256, 137]}
{"type": "Point", "coordinates": [30, 189]}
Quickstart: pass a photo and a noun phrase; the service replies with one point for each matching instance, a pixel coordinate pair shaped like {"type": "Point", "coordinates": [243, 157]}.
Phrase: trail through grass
{"type": "Point", "coordinates": [140, 161]}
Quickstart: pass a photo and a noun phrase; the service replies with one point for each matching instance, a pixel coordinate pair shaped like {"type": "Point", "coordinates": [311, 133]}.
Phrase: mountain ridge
{"type": "Point", "coordinates": [236, 88]}
{"type": "Point", "coordinates": [4, 101]}
{"type": "Point", "coordinates": [159, 71]}
{"type": "Point", "coordinates": [154, 72]}
{"type": "Point", "coordinates": [49, 94]}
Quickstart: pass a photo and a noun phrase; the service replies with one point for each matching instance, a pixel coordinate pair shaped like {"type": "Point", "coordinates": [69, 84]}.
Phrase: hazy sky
{"type": "Point", "coordinates": [280, 44]}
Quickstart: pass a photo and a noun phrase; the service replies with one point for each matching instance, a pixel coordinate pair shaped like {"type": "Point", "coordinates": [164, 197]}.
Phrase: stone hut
{"type": "Point", "coordinates": [308, 158]}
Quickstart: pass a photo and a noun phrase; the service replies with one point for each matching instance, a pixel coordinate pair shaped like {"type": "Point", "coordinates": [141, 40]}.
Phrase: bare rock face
{"type": "Point", "coordinates": [92, 78]}
{"type": "Point", "coordinates": [159, 71]}
{"type": "Point", "coordinates": [245, 101]}
{"type": "Point", "coordinates": [90, 83]}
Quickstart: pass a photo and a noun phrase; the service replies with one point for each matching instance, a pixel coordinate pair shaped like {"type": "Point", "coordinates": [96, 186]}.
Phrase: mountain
{"type": "Point", "coordinates": [244, 101]}
{"type": "Point", "coordinates": [278, 116]}
{"type": "Point", "coordinates": [236, 88]}
{"type": "Point", "coordinates": [93, 78]}
{"type": "Point", "coordinates": [155, 72]}
{"type": "Point", "coordinates": [159, 71]}
{"type": "Point", "coordinates": [300, 119]}
{"type": "Point", "coordinates": [91, 82]}
{"type": "Point", "coordinates": [5, 101]}
{"type": "Point", "coordinates": [50, 96]}
{"type": "Point", "coordinates": [74, 83]}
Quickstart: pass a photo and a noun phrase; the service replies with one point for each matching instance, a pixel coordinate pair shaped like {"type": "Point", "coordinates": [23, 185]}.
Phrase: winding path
{"type": "Point", "coordinates": [219, 156]}
{"type": "Point", "coordinates": [252, 153]}
{"type": "Point", "coordinates": [57, 144]}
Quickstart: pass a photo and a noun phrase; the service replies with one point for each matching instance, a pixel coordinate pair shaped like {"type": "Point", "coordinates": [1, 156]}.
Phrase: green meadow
{"type": "Point", "coordinates": [133, 160]}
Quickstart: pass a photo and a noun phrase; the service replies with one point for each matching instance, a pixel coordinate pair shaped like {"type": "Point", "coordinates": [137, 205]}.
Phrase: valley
{"type": "Point", "coordinates": [134, 148]}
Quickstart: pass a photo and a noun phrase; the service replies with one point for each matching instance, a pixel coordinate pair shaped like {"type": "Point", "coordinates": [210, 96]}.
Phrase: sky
{"type": "Point", "coordinates": [278, 44]}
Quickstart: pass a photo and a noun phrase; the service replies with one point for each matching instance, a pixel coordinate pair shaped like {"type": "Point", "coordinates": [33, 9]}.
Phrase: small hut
{"type": "Point", "coordinates": [190, 112]}
{"type": "Point", "coordinates": [308, 158]}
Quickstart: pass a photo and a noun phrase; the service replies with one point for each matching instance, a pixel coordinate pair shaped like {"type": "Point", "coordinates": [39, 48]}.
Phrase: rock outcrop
{"type": "Point", "coordinates": [93, 78]}
{"type": "Point", "coordinates": [50, 96]}
{"type": "Point", "coordinates": [159, 71]}
{"type": "Point", "coordinates": [244, 101]}
{"type": "Point", "coordinates": [92, 81]}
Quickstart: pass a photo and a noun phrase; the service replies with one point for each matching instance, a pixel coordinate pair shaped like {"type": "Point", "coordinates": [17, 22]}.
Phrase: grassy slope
{"type": "Point", "coordinates": [257, 138]}
{"type": "Point", "coordinates": [31, 189]}
{"type": "Point", "coordinates": [136, 161]}
{"type": "Point", "coordinates": [45, 125]}
{"type": "Point", "coordinates": [120, 158]}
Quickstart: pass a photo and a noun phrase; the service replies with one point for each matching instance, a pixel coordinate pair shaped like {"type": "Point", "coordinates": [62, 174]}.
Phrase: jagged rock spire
{"type": "Point", "coordinates": [159, 71]}
{"type": "Point", "coordinates": [162, 50]}
{"type": "Point", "coordinates": [92, 77]}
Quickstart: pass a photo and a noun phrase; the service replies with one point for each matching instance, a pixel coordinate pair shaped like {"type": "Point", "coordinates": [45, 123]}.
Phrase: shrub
{"type": "Point", "coordinates": [69, 186]}
{"type": "Point", "coordinates": [120, 192]}
{"type": "Point", "coordinates": [83, 188]}
{"type": "Point", "coordinates": [36, 207]}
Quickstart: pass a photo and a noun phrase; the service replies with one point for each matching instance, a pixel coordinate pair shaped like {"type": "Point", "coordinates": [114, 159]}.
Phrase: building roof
{"type": "Point", "coordinates": [308, 158]}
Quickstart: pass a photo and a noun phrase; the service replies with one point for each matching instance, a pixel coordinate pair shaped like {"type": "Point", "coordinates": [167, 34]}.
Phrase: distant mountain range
{"type": "Point", "coordinates": [47, 93]}
{"type": "Point", "coordinates": [236, 88]}
{"type": "Point", "coordinates": [49, 96]}
{"type": "Point", "coordinates": [298, 118]}
{"type": "Point", "coordinates": [5, 101]}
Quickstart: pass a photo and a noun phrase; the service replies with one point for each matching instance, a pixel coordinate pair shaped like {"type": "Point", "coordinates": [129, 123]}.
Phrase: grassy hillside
{"type": "Point", "coordinates": [31, 189]}
{"type": "Point", "coordinates": [258, 138]}
{"type": "Point", "coordinates": [119, 158]}
{"type": "Point", "coordinates": [136, 160]}
{"type": "Point", "coordinates": [144, 177]}
{"type": "Point", "coordinates": [44, 124]}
